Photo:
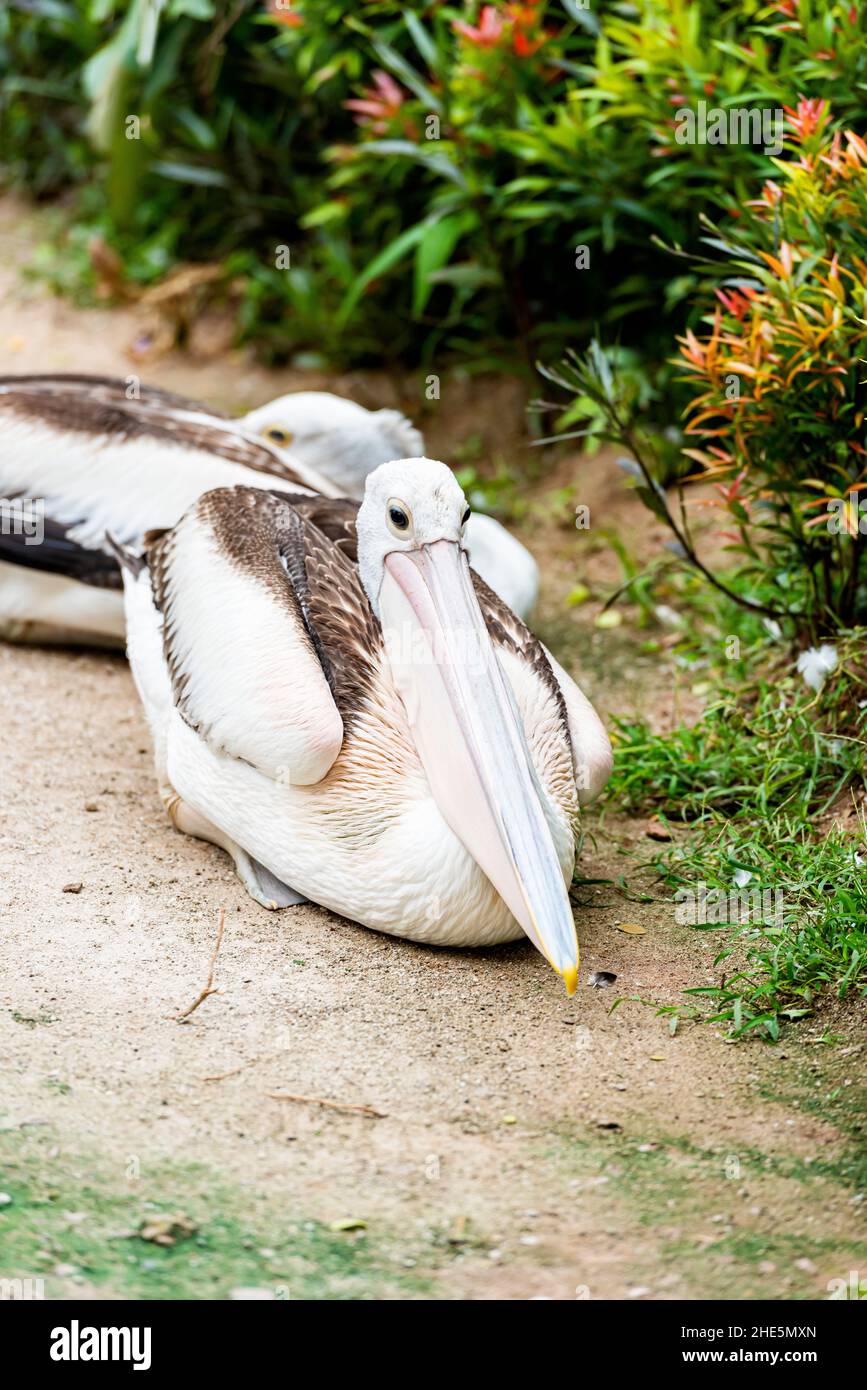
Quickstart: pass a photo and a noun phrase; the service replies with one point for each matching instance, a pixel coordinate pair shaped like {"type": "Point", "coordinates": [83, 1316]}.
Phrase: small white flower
{"type": "Point", "coordinates": [816, 663]}
{"type": "Point", "coordinates": [669, 616]}
{"type": "Point", "coordinates": [742, 878]}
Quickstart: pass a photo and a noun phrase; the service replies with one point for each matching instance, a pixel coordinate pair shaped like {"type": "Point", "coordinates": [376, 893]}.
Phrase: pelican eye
{"type": "Point", "coordinates": [465, 518]}
{"type": "Point", "coordinates": [278, 435]}
{"type": "Point", "coordinates": [399, 517]}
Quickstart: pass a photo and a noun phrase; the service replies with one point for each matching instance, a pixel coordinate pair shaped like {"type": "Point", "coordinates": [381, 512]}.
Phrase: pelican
{"type": "Point", "coordinates": [342, 705]}
{"type": "Point", "coordinates": [98, 459]}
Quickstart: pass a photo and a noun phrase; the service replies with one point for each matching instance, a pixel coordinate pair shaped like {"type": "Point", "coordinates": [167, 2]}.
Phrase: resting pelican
{"type": "Point", "coordinates": [100, 461]}
{"type": "Point", "coordinates": [386, 738]}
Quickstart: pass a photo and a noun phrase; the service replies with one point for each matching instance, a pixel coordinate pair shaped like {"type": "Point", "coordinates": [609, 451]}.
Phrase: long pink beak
{"type": "Point", "coordinates": [471, 742]}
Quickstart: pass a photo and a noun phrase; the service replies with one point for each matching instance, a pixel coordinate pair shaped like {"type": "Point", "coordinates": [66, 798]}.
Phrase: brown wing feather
{"type": "Point", "coordinates": [112, 390]}
{"type": "Point", "coordinates": [273, 537]}
{"type": "Point", "coordinates": [333, 516]}
{"type": "Point", "coordinates": [99, 406]}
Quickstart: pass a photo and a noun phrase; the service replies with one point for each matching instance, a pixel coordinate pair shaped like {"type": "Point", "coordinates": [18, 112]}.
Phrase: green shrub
{"type": "Point", "coordinates": [308, 126]}
{"type": "Point", "coordinates": [777, 378]}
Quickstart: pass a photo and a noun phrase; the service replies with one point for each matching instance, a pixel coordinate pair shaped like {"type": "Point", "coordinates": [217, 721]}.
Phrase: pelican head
{"type": "Point", "coordinates": [464, 720]}
{"type": "Point", "coordinates": [340, 438]}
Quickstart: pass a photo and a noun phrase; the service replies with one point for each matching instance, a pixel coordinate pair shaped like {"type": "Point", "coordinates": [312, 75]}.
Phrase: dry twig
{"type": "Point", "coordinates": [331, 1104]}
{"type": "Point", "coordinates": [242, 1066]}
{"type": "Point", "coordinates": [209, 987]}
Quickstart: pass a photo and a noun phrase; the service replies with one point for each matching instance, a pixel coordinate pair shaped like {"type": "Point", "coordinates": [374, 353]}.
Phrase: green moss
{"type": "Point", "coordinates": [80, 1212]}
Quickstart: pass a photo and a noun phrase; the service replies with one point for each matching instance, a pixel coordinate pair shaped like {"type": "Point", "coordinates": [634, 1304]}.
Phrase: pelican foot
{"type": "Point", "coordinates": [263, 886]}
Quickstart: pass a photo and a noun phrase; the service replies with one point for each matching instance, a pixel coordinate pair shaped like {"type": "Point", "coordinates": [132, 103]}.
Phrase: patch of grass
{"type": "Point", "coordinates": [54, 1083]}
{"type": "Point", "coordinates": [842, 1103]}
{"type": "Point", "coordinates": [699, 1209]}
{"type": "Point", "coordinates": [774, 749]}
{"type": "Point", "coordinates": [817, 938]}
{"type": "Point", "coordinates": [240, 1237]}
{"type": "Point", "coordinates": [750, 780]}
{"type": "Point", "coordinates": [848, 1168]}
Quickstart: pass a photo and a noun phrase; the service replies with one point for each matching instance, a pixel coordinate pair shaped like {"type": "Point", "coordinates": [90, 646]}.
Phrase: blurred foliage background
{"type": "Point", "coordinates": [431, 167]}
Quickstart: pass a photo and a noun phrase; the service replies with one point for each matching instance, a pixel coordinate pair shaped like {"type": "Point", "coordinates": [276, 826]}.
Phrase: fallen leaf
{"type": "Point", "coordinates": [656, 1057]}
{"type": "Point", "coordinates": [510, 1119]}
{"type": "Point", "coordinates": [631, 927]}
{"type": "Point", "coordinates": [348, 1223]}
{"type": "Point", "coordinates": [166, 1230]}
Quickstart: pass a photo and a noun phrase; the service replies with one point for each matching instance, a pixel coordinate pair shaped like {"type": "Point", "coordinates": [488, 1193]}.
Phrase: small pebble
{"type": "Point", "coordinates": [72, 887]}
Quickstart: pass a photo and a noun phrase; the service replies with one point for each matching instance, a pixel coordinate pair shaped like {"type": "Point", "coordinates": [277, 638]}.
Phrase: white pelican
{"type": "Point", "coordinates": [383, 738]}
{"type": "Point", "coordinates": [97, 460]}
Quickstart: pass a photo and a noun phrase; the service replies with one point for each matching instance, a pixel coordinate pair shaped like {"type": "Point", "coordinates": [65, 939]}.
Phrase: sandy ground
{"type": "Point", "coordinates": [528, 1145]}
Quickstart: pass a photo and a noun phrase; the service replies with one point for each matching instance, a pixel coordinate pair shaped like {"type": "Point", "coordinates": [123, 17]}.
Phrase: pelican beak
{"type": "Point", "coordinates": [470, 738]}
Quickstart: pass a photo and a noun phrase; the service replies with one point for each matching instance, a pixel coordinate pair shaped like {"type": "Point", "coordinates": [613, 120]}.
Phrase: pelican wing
{"type": "Point", "coordinates": [99, 415]}
{"type": "Point", "coordinates": [55, 552]}
{"type": "Point", "coordinates": [96, 462]}
{"type": "Point", "coordinates": [269, 640]}
{"type": "Point", "coordinates": [112, 390]}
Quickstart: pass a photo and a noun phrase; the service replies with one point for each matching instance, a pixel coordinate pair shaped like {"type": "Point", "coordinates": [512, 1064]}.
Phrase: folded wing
{"type": "Point", "coordinates": [268, 636]}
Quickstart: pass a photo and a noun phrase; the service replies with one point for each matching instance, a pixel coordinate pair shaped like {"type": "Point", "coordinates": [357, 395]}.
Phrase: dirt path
{"type": "Point", "coordinates": [529, 1145]}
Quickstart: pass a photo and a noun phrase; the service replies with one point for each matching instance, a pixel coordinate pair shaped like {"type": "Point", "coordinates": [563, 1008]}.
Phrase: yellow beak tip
{"type": "Point", "coordinates": [570, 979]}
